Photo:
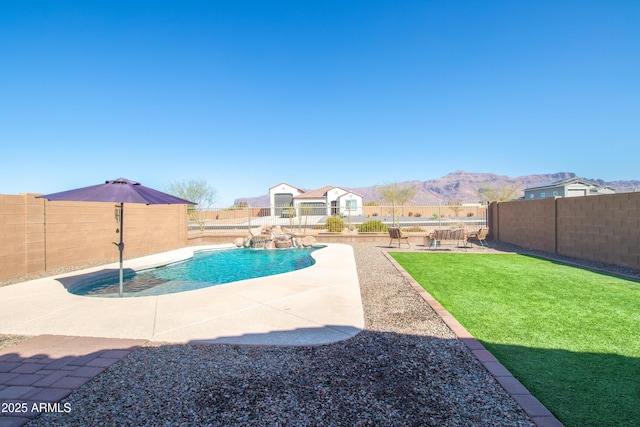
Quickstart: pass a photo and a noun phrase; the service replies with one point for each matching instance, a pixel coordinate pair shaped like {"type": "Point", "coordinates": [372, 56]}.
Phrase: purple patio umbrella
{"type": "Point", "coordinates": [121, 191]}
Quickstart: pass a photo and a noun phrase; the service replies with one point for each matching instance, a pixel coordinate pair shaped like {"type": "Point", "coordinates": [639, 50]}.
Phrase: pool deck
{"type": "Point", "coordinates": [317, 305]}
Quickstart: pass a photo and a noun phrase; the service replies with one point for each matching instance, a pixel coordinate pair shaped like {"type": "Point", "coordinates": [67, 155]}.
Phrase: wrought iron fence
{"type": "Point", "coordinates": [355, 217]}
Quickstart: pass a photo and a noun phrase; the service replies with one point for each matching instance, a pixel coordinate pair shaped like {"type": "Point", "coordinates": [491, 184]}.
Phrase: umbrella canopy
{"type": "Point", "coordinates": [121, 191]}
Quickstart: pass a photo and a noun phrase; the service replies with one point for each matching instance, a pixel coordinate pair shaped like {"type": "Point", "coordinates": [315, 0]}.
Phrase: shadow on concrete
{"type": "Point", "coordinates": [326, 334]}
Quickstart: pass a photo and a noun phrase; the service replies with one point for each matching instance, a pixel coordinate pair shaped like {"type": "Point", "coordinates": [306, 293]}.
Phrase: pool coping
{"type": "Point", "coordinates": [316, 305]}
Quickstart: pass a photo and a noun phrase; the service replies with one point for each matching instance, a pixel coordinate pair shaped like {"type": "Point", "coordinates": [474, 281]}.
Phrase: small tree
{"type": "Point", "coordinates": [197, 191]}
{"type": "Point", "coordinates": [455, 205]}
{"type": "Point", "coordinates": [503, 193]}
{"type": "Point", "coordinates": [305, 211]}
{"type": "Point", "coordinates": [396, 195]}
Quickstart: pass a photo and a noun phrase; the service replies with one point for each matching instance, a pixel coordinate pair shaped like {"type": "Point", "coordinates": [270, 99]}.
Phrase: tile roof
{"type": "Point", "coordinates": [284, 183]}
{"type": "Point", "coordinates": [321, 193]}
{"type": "Point", "coordinates": [315, 194]}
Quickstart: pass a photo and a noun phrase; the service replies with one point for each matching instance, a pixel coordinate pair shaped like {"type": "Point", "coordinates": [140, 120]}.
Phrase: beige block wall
{"type": "Point", "coordinates": [526, 223]}
{"type": "Point", "coordinates": [13, 248]}
{"type": "Point", "coordinates": [34, 234]}
{"type": "Point", "coordinates": [603, 228]}
{"type": "Point", "coordinates": [38, 235]}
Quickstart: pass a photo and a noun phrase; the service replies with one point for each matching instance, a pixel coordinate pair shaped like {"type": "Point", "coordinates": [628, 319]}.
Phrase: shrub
{"type": "Point", "coordinates": [335, 224]}
{"type": "Point", "coordinates": [288, 213]}
{"type": "Point", "coordinates": [469, 214]}
{"type": "Point", "coordinates": [373, 226]}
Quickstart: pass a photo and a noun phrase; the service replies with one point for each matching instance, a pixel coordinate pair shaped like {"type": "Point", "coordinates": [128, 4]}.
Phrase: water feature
{"type": "Point", "coordinates": [276, 237]}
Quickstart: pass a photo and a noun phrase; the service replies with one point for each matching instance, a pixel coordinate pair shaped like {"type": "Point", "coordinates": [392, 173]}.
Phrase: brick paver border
{"type": "Point", "coordinates": [37, 374]}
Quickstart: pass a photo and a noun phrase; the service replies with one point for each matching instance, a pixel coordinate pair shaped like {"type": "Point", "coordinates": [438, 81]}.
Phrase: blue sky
{"type": "Point", "coordinates": [247, 94]}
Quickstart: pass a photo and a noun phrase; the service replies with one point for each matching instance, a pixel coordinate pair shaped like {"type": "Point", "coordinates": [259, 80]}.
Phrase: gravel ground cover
{"type": "Point", "coordinates": [405, 369]}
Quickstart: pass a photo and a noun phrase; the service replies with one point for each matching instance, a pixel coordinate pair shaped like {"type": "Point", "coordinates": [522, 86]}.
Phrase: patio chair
{"type": "Point", "coordinates": [480, 236]}
{"type": "Point", "coordinates": [395, 233]}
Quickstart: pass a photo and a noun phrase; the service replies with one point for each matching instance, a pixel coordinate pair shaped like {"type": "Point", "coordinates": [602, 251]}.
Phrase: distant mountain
{"type": "Point", "coordinates": [463, 186]}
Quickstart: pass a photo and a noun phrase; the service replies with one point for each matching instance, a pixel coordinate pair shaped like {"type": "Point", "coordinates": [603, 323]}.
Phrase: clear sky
{"type": "Point", "coordinates": [248, 94]}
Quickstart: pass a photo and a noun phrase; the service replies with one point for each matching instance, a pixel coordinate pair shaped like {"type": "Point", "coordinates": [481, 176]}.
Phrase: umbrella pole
{"type": "Point", "coordinates": [121, 246]}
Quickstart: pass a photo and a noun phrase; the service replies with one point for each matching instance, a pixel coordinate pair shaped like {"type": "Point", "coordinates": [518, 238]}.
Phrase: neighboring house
{"type": "Point", "coordinates": [327, 200]}
{"type": "Point", "coordinates": [570, 187]}
{"type": "Point", "coordinates": [281, 196]}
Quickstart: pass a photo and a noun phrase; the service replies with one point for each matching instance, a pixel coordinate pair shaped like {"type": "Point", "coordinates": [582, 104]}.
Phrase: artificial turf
{"type": "Point", "coordinates": [570, 335]}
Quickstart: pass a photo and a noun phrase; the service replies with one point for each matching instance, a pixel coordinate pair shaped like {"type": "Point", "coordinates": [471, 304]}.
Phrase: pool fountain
{"type": "Point", "coordinates": [276, 237]}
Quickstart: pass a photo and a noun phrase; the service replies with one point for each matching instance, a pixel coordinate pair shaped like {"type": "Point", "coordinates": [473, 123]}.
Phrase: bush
{"type": "Point", "coordinates": [373, 226]}
{"type": "Point", "coordinates": [335, 224]}
{"type": "Point", "coordinates": [288, 213]}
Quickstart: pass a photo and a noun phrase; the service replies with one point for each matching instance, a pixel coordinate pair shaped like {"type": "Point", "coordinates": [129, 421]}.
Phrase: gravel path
{"type": "Point", "coordinates": [405, 369]}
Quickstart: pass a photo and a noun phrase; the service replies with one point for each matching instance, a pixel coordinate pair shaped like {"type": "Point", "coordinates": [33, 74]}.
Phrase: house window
{"type": "Point", "coordinates": [350, 205]}
{"type": "Point", "coordinates": [282, 201]}
{"type": "Point", "coordinates": [313, 208]}
{"type": "Point", "coordinates": [555, 193]}
{"type": "Point", "coordinates": [531, 196]}
{"type": "Point", "coordinates": [543, 195]}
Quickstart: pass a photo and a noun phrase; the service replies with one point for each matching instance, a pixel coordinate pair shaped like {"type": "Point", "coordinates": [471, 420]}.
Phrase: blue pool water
{"type": "Point", "coordinates": [208, 268]}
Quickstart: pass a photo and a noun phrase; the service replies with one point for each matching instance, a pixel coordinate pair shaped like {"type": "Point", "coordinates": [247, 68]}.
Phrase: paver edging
{"type": "Point", "coordinates": [34, 379]}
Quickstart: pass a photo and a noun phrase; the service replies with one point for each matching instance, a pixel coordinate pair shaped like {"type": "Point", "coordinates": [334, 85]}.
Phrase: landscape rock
{"type": "Point", "coordinates": [282, 244]}
{"type": "Point", "coordinates": [308, 241]}
{"type": "Point", "coordinates": [273, 237]}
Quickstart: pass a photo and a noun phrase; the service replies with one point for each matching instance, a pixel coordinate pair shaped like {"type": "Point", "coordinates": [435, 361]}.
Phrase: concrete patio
{"type": "Point", "coordinates": [312, 306]}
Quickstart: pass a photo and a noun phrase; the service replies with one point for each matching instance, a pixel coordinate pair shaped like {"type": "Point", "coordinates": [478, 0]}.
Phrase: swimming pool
{"type": "Point", "coordinates": [204, 269]}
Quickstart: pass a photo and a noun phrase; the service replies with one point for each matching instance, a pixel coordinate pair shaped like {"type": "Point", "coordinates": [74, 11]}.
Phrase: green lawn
{"type": "Point", "coordinates": [570, 335]}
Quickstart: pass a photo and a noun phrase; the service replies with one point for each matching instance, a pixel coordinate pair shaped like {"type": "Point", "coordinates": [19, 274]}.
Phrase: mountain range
{"type": "Point", "coordinates": [464, 187]}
